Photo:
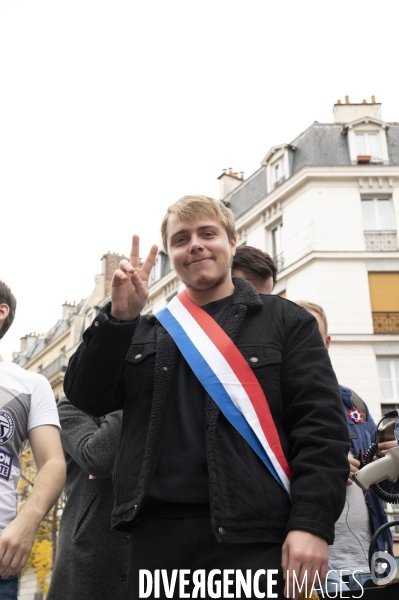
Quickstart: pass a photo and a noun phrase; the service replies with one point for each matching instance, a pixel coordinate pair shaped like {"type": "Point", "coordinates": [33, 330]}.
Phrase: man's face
{"type": "Point", "coordinates": [262, 286]}
{"type": "Point", "coordinates": [322, 329]}
{"type": "Point", "coordinates": [200, 252]}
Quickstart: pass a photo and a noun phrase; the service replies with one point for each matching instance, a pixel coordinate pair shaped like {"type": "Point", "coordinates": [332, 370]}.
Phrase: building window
{"type": "Point", "coordinates": [388, 372]}
{"type": "Point", "coordinates": [378, 225]}
{"type": "Point", "coordinates": [367, 144]}
{"type": "Point", "coordinates": [384, 299]}
{"type": "Point", "coordinates": [277, 246]}
{"type": "Point", "coordinates": [279, 174]}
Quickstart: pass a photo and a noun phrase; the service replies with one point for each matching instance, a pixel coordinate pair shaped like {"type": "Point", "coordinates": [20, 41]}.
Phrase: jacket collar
{"type": "Point", "coordinates": [246, 294]}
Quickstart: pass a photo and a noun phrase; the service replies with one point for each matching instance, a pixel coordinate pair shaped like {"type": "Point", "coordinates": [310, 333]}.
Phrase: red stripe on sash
{"type": "Point", "coordinates": [244, 374]}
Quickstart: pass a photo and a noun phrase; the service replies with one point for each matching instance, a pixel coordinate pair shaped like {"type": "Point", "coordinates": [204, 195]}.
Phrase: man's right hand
{"type": "Point", "coordinates": [353, 468]}
{"type": "Point", "coordinates": [129, 288]}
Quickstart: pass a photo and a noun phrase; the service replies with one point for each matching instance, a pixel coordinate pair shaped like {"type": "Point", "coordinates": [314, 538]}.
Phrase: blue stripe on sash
{"type": "Point", "coordinates": [213, 386]}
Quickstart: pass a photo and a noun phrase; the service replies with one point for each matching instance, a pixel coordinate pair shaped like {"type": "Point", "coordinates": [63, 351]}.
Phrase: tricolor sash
{"type": "Point", "coordinates": [229, 380]}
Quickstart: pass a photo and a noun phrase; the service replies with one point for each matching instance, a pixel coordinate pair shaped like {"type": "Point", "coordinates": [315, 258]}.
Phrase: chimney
{"type": "Point", "coordinates": [346, 113]}
{"type": "Point", "coordinates": [110, 262]}
{"type": "Point", "coordinates": [27, 341]}
{"type": "Point", "coordinates": [229, 181]}
{"type": "Point", "coordinates": [68, 308]}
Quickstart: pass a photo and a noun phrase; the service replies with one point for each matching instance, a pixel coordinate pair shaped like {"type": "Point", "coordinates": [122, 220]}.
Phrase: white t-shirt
{"type": "Point", "coordinates": [352, 533]}
{"type": "Point", "coordinates": [26, 401]}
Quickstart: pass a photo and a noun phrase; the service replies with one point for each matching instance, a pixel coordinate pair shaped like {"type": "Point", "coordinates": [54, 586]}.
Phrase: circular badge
{"type": "Point", "coordinates": [355, 415]}
{"type": "Point", "coordinates": [6, 426]}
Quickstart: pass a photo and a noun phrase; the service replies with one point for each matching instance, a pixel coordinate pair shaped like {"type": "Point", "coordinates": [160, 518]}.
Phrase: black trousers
{"type": "Point", "coordinates": [188, 544]}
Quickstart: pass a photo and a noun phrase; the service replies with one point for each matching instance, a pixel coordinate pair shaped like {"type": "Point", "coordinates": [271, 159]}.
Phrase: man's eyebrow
{"type": "Point", "coordinates": [181, 231]}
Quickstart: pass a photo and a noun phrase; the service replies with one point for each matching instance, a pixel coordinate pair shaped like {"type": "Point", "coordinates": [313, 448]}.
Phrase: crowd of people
{"type": "Point", "coordinates": [211, 435]}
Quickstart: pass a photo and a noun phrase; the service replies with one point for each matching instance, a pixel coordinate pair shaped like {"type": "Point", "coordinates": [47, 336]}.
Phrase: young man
{"type": "Point", "coordinates": [363, 513]}
{"type": "Point", "coordinates": [255, 266]}
{"type": "Point", "coordinates": [27, 411]}
{"type": "Point", "coordinates": [188, 484]}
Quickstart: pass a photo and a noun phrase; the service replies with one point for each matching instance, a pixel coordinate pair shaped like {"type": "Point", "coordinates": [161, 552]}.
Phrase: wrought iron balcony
{"type": "Point", "coordinates": [381, 241]}
{"type": "Point", "coordinates": [59, 365]}
{"type": "Point", "coordinates": [279, 261]}
{"type": "Point", "coordinates": [386, 322]}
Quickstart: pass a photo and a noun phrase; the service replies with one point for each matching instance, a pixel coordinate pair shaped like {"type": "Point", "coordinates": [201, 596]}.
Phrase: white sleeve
{"type": "Point", "coordinates": [43, 410]}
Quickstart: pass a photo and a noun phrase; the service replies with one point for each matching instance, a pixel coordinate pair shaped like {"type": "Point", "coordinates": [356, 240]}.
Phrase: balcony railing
{"type": "Point", "coordinates": [59, 365]}
{"type": "Point", "coordinates": [279, 261]}
{"type": "Point", "coordinates": [386, 322]}
{"type": "Point", "coordinates": [381, 241]}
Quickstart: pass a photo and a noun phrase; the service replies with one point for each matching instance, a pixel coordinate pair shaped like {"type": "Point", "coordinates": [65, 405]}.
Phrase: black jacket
{"type": "Point", "coordinates": [91, 560]}
{"type": "Point", "coordinates": [111, 370]}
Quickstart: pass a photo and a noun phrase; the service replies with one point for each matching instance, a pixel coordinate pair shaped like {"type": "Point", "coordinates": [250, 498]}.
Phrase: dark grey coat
{"type": "Point", "coordinates": [91, 559]}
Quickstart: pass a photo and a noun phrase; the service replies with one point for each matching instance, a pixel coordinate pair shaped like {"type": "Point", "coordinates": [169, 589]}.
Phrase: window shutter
{"type": "Point", "coordinates": [384, 292]}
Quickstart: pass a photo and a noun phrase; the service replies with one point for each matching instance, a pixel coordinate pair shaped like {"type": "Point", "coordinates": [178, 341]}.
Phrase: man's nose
{"type": "Point", "coordinates": [196, 244]}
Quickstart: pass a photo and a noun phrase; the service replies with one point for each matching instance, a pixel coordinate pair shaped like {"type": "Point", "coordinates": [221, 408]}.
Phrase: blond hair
{"type": "Point", "coordinates": [190, 208]}
{"type": "Point", "coordinates": [311, 306]}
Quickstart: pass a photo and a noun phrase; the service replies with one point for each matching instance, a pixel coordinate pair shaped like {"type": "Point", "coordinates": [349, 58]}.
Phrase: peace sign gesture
{"type": "Point", "coordinates": [129, 287]}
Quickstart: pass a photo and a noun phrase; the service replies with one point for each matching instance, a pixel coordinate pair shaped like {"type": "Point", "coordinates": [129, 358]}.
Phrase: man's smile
{"type": "Point", "coordinates": [199, 260]}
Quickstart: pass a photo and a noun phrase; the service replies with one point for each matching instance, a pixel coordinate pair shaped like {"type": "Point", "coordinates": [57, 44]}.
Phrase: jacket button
{"type": "Point", "coordinates": [138, 356]}
{"type": "Point", "coordinates": [122, 576]}
{"type": "Point", "coordinates": [95, 323]}
{"type": "Point", "coordinates": [135, 506]}
{"type": "Point", "coordinates": [126, 539]}
{"type": "Point", "coordinates": [254, 359]}
{"type": "Point", "coordinates": [165, 368]}
{"type": "Point", "coordinates": [222, 531]}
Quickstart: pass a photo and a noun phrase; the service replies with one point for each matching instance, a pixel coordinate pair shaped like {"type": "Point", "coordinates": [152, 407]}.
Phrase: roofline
{"type": "Point", "coordinates": [243, 181]}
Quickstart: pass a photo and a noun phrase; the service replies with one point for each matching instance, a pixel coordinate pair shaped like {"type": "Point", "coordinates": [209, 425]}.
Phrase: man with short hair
{"type": "Point", "coordinates": [27, 411]}
{"type": "Point", "coordinates": [255, 266]}
{"type": "Point", "coordinates": [199, 489]}
{"type": "Point", "coordinates": [363, 513]}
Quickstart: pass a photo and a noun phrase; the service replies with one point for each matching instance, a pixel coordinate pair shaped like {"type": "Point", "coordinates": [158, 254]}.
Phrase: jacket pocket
{"type": "Point", "coordinates": [86, 516]}
{"type": "Point", "coordinates": [138, 352]}
{"type": "Point", "coordinates": [259, 356]}
{"type": "Point", "coordinates": [265, 362]}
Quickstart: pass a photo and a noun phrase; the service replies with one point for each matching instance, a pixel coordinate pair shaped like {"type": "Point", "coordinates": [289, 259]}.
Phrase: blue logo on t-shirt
{"type": "Point", "coordinates": [5, 464]}
{"type": "Point", "coordinates": [6, 426]}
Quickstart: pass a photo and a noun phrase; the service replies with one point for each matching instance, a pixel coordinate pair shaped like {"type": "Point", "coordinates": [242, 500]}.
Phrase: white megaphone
{"type": "Point", "coordinates": [383, 468]}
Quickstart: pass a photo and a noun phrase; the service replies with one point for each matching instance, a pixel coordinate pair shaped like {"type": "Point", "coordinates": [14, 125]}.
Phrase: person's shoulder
{"type": "Point", "coordinates": [19, 373]}
{"type": "Point", "coordinates": [281, 303]}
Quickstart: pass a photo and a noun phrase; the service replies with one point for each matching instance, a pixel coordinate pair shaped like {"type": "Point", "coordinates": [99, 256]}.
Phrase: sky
{"type": "Point", "coordinates": [111, 111]}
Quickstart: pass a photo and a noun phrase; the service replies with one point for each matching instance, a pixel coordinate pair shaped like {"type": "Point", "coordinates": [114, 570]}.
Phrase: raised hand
{"type": "Point", "coordinates": [129, 287]}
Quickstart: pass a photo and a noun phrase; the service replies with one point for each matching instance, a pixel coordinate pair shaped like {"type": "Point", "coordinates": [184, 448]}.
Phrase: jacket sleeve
{"type": "Point", "coordinates": [94, 377]}
{"type": "Point", "coordinates": [93, 447]}
{"type": "Point", "coordinates": [315, 424]}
